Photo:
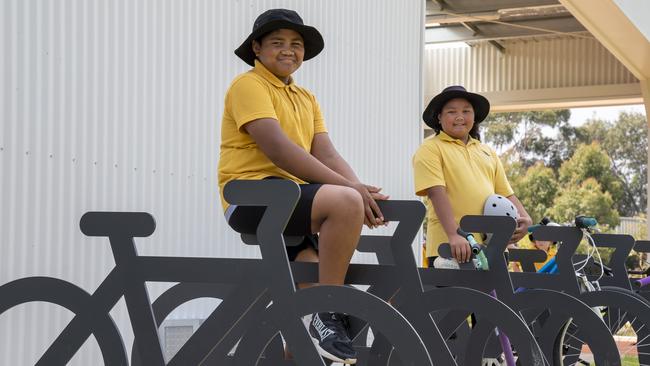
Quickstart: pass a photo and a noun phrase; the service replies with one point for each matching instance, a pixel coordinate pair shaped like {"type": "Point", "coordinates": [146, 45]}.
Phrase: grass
{"type": "Point", "coordinates": [630, 361]}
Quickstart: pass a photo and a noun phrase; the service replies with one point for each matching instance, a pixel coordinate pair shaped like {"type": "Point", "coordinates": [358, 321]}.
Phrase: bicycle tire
{"type": "Point", "coordinates": [598, 336]}
{"type": "Point", "coordinates": [472, 350]}
{"type": "Point", "coordinates": [77, 301]}
{"type": "Point", "coordinates": [208, 349]}
{"type": "Point", "coordinates": [359, 304]}
{"type": "Point", "coordinates": [616, 311]}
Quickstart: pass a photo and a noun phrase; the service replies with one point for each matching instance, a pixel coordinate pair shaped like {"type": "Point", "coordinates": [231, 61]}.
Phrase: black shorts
{"type": "Point", "coordinates": [245, 219]}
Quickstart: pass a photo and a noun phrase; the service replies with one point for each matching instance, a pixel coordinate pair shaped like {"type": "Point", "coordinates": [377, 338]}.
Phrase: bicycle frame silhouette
{"type": "Point", "coordinates": [618, 303]}
{"type": "Point", "coordinates": [246, 317]}
{"type": "Point", "coordinates": [544, 291]}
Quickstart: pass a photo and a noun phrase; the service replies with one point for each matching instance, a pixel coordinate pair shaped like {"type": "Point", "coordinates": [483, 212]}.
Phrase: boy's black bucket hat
{"type": "Point", "coordinates": [275, 19]}
{"type": "Point", "coordinates": [480, 103]}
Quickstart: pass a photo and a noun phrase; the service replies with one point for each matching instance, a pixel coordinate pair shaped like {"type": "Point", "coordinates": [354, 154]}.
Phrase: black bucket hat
{"type": "Point", "coordinates": [275, 19]}
{"type": "Point", "coordinates": [480, 103]}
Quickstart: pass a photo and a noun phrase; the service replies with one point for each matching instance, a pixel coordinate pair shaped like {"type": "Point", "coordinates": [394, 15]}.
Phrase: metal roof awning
{"type": "Point", "coordinates": [477, 20]}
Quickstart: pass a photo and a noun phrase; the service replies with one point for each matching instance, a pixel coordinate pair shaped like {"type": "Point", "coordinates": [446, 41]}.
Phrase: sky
{"type": "Point", "coordinates": [581, 115]}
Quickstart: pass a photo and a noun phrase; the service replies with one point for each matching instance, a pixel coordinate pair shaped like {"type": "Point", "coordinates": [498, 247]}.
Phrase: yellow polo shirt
{"type": "Point", "coordinates": [525, 243]}
{"type": "Point", "coordinates": [259, 94]}
{"type": "Point", "coordinates": [469, 172]}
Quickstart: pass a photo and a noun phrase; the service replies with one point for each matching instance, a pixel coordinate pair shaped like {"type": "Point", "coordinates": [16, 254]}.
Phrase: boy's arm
{"type": "Point", "coordinates": [523, 222]}
{"type": "Point", "coordinates": [323, 149]}
{"type": "Point", "coordinates": [288, 156]}
{"type": "Point", "coordinates": [441, 204]}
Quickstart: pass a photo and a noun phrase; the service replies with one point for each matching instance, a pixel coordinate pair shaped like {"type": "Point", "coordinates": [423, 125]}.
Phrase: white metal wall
{"type": "Point", "coordinates": [526, 65]}
{"type": "Point", "coordinates": [116, 105]}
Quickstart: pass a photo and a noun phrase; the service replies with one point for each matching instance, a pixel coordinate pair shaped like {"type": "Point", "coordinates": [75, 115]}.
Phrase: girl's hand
{"type": "Point", "coordinates": [460, 248]}
{"type": "Point", "coordinates": [522, 228]}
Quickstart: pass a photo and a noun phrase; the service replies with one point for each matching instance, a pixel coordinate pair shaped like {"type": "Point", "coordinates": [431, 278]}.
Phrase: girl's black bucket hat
{"type": "Point", "coordinates": [480, 104]}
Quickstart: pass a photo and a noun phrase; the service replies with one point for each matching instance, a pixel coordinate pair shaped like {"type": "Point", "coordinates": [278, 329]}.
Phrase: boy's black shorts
{"type": "Point", "coordinates": [244, 219]}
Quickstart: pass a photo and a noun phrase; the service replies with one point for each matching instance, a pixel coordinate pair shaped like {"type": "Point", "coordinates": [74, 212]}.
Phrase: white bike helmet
{"type": "Point", "coordinates": [497, 205]}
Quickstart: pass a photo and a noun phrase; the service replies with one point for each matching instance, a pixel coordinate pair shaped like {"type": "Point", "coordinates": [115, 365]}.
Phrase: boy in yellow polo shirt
{"type": "Point", "coordinates": [457, 172]}
{"type": "Point", "coordinates": [272, 128]}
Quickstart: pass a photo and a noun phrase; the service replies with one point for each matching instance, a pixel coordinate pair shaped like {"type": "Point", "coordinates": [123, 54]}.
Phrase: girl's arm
{"type": "Point", "coordinates": [441, 204]}
{"type": "Point", "coordinates": [523, 222]}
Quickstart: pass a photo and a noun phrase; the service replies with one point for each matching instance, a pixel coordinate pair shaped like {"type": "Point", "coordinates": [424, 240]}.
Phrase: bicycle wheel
{"type": "Point", "coordinates": [85, 323]}
{"type": "Point", "coordinates": [204, 345]}
{"type": "Point", "coordinates": [362, 305]}
{"type": "Point", "coordinates": [562, 309]}
{"type": "Point", "coordinates": [623, 312]}
{"type": "Point", "coordinates": [471, 346]}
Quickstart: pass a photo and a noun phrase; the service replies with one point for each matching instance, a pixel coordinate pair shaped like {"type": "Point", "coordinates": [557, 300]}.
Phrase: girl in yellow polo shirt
{"type": "Point", "coordinates": [273, 128]}
{"type": "Point", "coordinates": [457, 172]}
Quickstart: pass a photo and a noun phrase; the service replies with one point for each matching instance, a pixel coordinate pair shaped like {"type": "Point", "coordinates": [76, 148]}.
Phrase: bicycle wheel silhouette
{"type": "Point", "coordinates": [463, 301]}
{"type": "Point", "coordinates": [207, 345]}
{"type": "Point", "coordinates": [362, 305]}
{"type": "Point", "coordinates": [596, 333]}
{"type": "Point", "coordinates": [617, 308]}
{"type": "Point", "coordinates": [88, 320]}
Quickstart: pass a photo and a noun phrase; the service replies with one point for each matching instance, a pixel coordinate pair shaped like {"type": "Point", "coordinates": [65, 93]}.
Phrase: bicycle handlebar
{"type": "Point", "coordinates": [476, 247]}
{"type": "Point", "coordinates": [118, 224]}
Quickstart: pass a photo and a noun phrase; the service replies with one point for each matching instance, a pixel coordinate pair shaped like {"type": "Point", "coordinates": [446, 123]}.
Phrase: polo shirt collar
{"type": "Point", "coordinates": [261, 70]}
{"type": "Point", "coordinates": [444, 137]}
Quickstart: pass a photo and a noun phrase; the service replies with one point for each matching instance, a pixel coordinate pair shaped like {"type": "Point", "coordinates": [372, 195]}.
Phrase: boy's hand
{"type": "Point", "coordinates": [460, 248]}
{"type": "Point", "coordinates": [373, 217]}
{"type": "Point", "coordinates": [522, 228]}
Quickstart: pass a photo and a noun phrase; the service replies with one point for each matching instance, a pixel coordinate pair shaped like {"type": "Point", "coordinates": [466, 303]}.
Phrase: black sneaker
{"type": "Point", "coordinates": [330, 335]}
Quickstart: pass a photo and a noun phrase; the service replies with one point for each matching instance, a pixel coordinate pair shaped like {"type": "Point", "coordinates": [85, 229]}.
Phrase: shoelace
{"type": "Point", "coordinates": [342, 323]}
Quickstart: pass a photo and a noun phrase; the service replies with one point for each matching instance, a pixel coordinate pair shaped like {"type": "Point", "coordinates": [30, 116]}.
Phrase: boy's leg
{"type": "Point", "coordinates": [337, 215]}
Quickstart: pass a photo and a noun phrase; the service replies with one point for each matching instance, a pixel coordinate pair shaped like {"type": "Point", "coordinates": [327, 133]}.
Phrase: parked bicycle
{"type": "Point", "coordinates": [557, 308]}
{"type": "Point", "coordinates": [608, 296]}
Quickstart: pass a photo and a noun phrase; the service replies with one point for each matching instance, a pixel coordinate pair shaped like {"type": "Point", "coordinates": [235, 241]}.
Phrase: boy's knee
{"type": "Point", "coordinates": [349, 199]}
{"type": "Point", "coordinates": [342, 199]}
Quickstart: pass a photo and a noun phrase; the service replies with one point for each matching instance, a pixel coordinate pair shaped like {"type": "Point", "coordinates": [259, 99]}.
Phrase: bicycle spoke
{"type": "Point", "coordinates": [574, 337]}
{"type": "Point", "coordinates": [641, 342]}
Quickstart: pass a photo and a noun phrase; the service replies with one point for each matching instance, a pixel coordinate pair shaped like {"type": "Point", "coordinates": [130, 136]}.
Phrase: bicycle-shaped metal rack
{"type": "Point", "coordinates": [544, 297]}
{"type": "Point", "coordinates": [608, 292]}
{"type": "Point", "coordinates": [251, 279]}
{"type": "Point", "coordinates": [259, 296]}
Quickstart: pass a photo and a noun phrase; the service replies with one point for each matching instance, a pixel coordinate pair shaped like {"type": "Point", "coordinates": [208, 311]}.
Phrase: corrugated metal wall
{"type": "Point", "coordinates": [545, 63]}
{"type": "Point", "coordinates": [116, 105]}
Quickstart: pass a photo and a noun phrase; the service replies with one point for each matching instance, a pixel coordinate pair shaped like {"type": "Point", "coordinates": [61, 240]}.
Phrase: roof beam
{"type": "Point", "coordinates": [607, 22]}
{"type": "Point", "coordinates": [461, 18]}
{"type": "Point", "coordinates": [572, 97]}
{"type": "Point", "coordinates": [494, 31]}
{"type": "Point", "coordinates": [474, 6]}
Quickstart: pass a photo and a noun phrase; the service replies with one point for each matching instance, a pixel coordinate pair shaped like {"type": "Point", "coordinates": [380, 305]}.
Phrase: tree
{"type": "Point", "coordinates": [530, 138]}
{"type": "Point", "coordinates": [523, 133]}
{"type": "Point", "coordinates": [591, 161]}
{"type": "Point", "coordinates": [626, 142]}
{"type": "Point", "coordinates": [586, 198]}
{"type": "Point", "coordinates": [536, 190]}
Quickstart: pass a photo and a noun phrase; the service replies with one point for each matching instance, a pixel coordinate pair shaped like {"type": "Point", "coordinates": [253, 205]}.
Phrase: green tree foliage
{"type": "Point", "coordinates": [586, 198]}
{"type": "Point", "coordinates": [536, 190]}
{"type": "Point", "coordinates": [523, 133]}
{"type": "Point", "coordinates": [591, 161]}
{"type": "Point", "coordinates": [615, 156]}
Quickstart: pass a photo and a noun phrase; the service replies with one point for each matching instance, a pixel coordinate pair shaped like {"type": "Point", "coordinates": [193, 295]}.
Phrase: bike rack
{"type": "Point", "coordinates": [411, 330]}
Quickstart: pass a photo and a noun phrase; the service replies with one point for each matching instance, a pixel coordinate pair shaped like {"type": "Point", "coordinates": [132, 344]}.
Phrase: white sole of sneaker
{"type": "Point", "coordinates": [331, 357]}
